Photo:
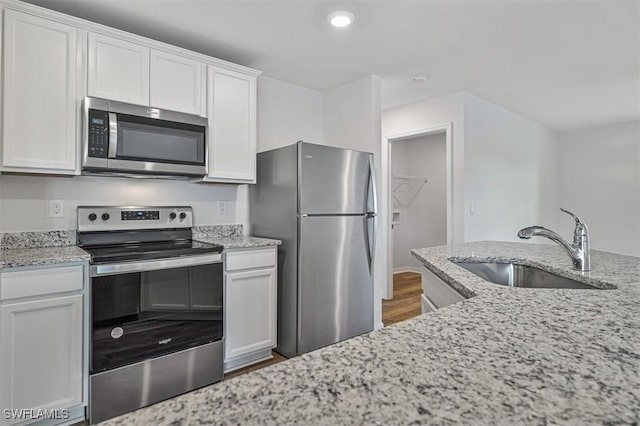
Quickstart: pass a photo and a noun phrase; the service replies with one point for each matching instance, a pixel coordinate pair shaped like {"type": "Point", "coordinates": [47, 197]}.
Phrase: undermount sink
{"type": "Point", "coordinates": [514, 275]}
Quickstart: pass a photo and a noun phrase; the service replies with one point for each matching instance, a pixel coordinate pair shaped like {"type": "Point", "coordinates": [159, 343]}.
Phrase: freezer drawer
{"type": "Point", "coordinates": [335, 285]}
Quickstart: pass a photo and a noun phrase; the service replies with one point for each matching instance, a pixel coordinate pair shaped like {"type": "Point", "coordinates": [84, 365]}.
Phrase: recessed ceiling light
{"type": "Point", "coordinates": [419, 78]}
{"type": "Point", "coordinates": [341, 18]}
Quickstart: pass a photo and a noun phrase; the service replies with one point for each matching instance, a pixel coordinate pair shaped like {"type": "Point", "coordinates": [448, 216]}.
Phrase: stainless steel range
{"type": "Point", "coordinates": [156, 307]}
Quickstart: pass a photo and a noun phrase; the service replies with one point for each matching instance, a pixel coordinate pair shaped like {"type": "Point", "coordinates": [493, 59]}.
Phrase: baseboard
{"type": "Point", "coordinates": [242, 361]}
{"type": "Point", "coordinates": [402, 269]}
{"type": "Point", "coordinates": [378, 326]}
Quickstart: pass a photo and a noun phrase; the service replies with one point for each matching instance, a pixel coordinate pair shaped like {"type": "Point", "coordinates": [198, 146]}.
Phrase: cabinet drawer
{"type": "Point", "coordinates": [247, 259]}
{"type": "Point", "coordinates": [437, 291]}
{"type": "Point", "coordinates": [40, 281]}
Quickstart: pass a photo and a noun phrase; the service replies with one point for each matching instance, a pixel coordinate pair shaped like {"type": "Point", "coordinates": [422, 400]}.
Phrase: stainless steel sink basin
{"type": "Point", "coordinates": [513, 275]}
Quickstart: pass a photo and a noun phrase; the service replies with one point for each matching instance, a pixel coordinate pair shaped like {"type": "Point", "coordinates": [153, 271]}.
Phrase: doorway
{"type": "Point", "coordinates": [418, 200]}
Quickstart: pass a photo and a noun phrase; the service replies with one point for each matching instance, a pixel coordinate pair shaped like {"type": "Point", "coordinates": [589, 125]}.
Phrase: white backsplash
{"type": "Point", "coordinates": [24, 199]}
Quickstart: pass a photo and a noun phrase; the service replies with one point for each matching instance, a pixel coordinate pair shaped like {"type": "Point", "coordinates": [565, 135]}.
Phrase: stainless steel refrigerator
{"type": "Point", "coordinates": [320, 201]}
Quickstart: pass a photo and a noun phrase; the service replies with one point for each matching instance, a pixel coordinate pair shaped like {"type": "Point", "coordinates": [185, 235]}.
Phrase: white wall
{"type": "Point", "coordinates": [24, 199]}
{"type": "Point", "coordinates": [427, 114]}
{"type": "Point", "coordinates": [287, 113]}
{"type": "Point", "coordinates": [600, 182]}
{"type": "Point", "coordinates": [423, 223]}
{"type": "Point", "coordinates": [352, 115]}
{"type": "Point", "coordinates": [511, 173]}
{"type": "Point", "coordinates": [352, 119]}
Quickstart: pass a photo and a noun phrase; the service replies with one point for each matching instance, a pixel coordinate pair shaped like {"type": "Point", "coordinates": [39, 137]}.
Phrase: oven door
{"type": "Point", "coordinates": [142, 310]}
{"type": "Point", "coordinates": [147, 144]}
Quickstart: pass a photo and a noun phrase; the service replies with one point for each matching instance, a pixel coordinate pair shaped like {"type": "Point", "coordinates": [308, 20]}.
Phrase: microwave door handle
{"type": "Point", "coordinates": [113, 135]}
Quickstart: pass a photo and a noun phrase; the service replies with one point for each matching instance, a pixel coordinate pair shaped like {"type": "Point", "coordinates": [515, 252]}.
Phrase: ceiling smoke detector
{"type": "Point", "coordinates": [419, 78]}
{"type": "Point", "coordinates": [341, 18]}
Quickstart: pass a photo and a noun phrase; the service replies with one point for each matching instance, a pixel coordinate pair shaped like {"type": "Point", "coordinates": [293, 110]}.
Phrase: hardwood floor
{"type": "Point", "coordinates": [407, 288]}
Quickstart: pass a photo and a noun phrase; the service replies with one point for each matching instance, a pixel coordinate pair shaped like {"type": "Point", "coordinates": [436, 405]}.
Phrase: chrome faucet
{"type": "Point", "coordinates": [578, 251]}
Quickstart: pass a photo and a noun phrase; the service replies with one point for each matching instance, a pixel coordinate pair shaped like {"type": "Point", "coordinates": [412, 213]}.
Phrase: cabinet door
{"type": "Point", "coordinates": [41, 353]}
{"type": "Point", "coordinates": [439, 293]}
{"type": "Point", "coordinates": [39, 86]}
{"type": "Point", "coordinates": [232, 126]}
{"type": "Point", "coordinates": [118, 70]}
{"type": "Point", "coordinates": [176, 83]}
{"type": "Point", "coordinates": [250, 312]}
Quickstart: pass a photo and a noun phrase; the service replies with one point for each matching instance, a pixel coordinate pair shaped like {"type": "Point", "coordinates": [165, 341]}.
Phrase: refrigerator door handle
{"type": "Point", "coordinates": [371, 242]}
{"type": "Point", "coordinates": [372, 216]}
{"type": "Point", "coordinates": [373, 186]}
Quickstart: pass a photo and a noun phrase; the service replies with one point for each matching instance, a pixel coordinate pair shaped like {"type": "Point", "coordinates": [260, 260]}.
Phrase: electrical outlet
{"type": "Point", "coordinates": [222, 208]}
{"type": "Point", "coordinates": [56, 208]}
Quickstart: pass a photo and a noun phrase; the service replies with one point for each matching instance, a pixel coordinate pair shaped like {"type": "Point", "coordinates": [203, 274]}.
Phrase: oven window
{"type": "Point", "coordinates": [141, 315]}
{"type": "Point", "coordinates": [144, 139]}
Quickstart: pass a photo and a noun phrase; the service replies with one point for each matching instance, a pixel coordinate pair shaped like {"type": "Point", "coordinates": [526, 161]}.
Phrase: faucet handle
{"type": "Point", "coordinates": [581, 227]}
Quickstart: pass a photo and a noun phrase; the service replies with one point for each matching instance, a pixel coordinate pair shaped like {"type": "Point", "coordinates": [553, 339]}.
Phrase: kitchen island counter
{"type": "Point", "coordinates": [503, 356]}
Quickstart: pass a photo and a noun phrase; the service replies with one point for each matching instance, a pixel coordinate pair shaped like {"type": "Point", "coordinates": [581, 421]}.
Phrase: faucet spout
{"type": "Point", "coordinates": [579, 251]}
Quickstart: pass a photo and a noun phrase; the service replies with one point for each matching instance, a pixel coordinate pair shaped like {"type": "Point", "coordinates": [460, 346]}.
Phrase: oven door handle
{"type": "Point", "coordinates": [153, 265]}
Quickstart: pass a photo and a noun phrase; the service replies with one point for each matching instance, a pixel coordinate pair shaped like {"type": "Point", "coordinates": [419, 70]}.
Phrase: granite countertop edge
{"type": "Point", "coordinates": [40, 256]}
{"type": "Point", "coordinates": [240, 242]}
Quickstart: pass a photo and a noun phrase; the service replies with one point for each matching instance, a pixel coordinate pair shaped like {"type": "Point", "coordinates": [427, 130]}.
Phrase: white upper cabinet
{"type": "Point", "coordinates": [176, 83]}
{"type": "Point", "coordinates": [118, 70]}
{"type": "Point", "coordinates": [231, 109]}
{"type": "Point", "coordinates": [132, 73]}
{"type": "Point", "coordinates": [39, 115]}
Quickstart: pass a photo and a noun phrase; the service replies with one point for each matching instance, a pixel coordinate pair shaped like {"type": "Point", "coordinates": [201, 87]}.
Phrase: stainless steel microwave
{"type": "Point", "coordinates": [130, 139]}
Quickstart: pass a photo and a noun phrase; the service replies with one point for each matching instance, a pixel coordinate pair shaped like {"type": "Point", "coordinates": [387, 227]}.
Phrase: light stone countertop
{"type": "Point", "coordinates": [53, 247]}
{"type": "Point", "coordinates": [13, 258]}
{"type": "Point", "coordinates": [240, 242]}
{"type": "Point", "coordinates": [503, 356]}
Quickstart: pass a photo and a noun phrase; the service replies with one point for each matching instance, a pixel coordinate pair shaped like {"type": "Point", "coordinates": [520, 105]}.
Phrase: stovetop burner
{"type": "Point", "coordinates": [149, 251]}
{"type": "Point", "coordinates": [124, 234]}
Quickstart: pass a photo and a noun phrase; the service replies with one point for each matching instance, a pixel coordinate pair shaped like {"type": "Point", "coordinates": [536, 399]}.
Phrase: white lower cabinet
{"type": "Point", "coordinates": [250, 307]}
{"type": "Point", "coordinates": [436, 293]}
{"type": "Point", "coordinates": [42, 349]}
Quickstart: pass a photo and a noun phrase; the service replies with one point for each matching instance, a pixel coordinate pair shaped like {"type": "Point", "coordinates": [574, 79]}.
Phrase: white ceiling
{"type": "Point", "coordinates": [566, 64]}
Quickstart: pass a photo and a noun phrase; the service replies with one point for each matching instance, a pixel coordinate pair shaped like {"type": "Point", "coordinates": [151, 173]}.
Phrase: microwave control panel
{"type": "Point", "coordinates": [98, 134]}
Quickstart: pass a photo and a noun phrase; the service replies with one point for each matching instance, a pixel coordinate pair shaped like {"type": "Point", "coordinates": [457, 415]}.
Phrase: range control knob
{"type": "Point", "coordinates": [92, 217]}
{"type": "Point", "coordinates": [105, 216]}
{"type": "Point", "coordinates": [172, 215]}
{"type": "Point", "coordinates": [183, 215]}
